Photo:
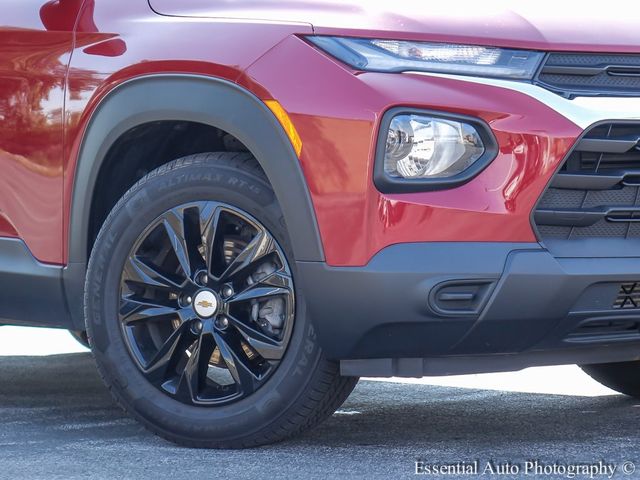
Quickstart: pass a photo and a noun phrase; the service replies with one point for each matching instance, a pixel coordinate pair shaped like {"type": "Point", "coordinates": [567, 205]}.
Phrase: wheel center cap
{"type": "Point", "coordinates": [205, 303]}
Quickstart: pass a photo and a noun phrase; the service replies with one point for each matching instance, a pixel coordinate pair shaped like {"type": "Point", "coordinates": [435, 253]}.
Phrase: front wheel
{"type": "Point", "coordinates": [196, 322]}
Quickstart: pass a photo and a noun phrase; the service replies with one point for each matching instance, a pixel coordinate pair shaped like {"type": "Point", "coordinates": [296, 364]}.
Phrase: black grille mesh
{"type": "Point", "coordinates": [596, 193]}
{"type": "Point", "coordinates": [577, 73]}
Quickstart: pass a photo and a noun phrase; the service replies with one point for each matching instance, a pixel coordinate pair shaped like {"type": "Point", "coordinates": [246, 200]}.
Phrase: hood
{"type": "Point", "coordinates": [564, 25]}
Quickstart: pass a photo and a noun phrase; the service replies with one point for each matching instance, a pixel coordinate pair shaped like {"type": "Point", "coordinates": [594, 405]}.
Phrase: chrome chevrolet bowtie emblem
{"type": "Point", "coordinates": [205, 303]}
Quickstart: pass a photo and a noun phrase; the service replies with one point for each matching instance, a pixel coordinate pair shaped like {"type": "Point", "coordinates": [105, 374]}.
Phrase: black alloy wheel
{"type": "Point", "coordinates": [197, 324]}
{"type": "Point", "coordinates": [206, 303]}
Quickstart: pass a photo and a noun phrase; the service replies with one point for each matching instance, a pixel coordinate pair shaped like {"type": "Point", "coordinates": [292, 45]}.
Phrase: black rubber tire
{"type": "Point", "coordinates": [81, 337]}
{"type": "Point", "coordinates": [305, 388]}
{"type": "Point", "coordinates": [623, 377]}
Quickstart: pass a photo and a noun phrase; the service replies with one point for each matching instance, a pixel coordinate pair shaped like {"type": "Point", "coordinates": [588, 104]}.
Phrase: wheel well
{"type": "Point", "coordinates": [144, 148]}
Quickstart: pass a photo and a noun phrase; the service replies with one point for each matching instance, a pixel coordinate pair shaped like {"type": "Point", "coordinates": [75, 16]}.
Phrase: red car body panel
{"type": "Point", "coordinates": [338, 148]}
{"type": "Point", "coordinates": [35, 45]}
{"type": "Point", "coordinates": [120, 40]}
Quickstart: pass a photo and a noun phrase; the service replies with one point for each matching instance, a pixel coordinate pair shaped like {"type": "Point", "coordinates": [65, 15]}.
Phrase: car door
{"type": "Point", "coordinates": [36, 39]}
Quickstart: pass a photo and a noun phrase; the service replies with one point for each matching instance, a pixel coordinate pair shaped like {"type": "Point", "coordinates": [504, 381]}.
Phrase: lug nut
{"type": "Point", "coordinates": [188, 300]}
{"type": "Point", "coordinates": [197, 326]}
{"type": "Point", "coordinates": [222, 322]}
{"type": "Point", "coordinates": [204, 279]}
{"type": "Point", "coordinates": [227, 291]}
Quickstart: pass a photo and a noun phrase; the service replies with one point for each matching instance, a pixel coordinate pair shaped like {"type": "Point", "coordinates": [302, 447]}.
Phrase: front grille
{"type": "Point", "coordinates": [596, 193]}
{"type": "Point", "coordinates": [572, 74]}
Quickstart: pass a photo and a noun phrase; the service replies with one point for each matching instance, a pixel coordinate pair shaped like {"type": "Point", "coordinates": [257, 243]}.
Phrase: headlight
{"type": "Point", "coordinates": [420, 150]}
{"type": "Point", "coordinates": [401, 56]}
{"type": "Point", "coordinates": [425, 147]}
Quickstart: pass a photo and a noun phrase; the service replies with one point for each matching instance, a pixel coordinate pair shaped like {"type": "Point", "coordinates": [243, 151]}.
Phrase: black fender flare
{"type": "Point", "coordinates": [208, 100]}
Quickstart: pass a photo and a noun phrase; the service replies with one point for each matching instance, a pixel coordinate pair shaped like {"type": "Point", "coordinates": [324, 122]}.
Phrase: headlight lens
{"type": "Point", "coordinates": [401, 56]}
{"type": "Point", "coordinates": [420, 146]}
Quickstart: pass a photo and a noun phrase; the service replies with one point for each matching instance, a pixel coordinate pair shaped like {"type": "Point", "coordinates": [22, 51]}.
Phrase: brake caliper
{"type": "Point", "coordinates": [269, 314]}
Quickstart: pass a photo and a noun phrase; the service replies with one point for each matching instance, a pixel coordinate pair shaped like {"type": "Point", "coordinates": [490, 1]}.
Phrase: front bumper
{"type": "Point", "coordinates": [459, 303]}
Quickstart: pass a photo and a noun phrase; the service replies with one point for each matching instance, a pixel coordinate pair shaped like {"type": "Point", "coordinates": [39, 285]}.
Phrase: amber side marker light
{"type": "Point", "coordinates": [286, 123]}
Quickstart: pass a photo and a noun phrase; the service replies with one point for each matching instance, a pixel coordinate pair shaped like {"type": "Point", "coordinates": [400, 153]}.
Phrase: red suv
{"type": "Point", "coordinates": [249, 204]}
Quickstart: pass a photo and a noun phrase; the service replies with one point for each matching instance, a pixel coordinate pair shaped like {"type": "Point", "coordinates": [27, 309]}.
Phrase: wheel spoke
{"type": "Point", "coordinates": [276, 283]}
{"type": "Point", "coordinates": [259, 247]}
{"type": "Point", "coordinates": [184, 243]}
{"type": "Point", "coordinates": [209, 221]}
{"type": "Point", "coordinates": [267, 347]}
{"type": "Point", "coordinates": [135, 309]}
{"type": "Point", "coordinates": [142, 272]}
{"type": "Point", "coordinates": [194, 375]}
{"type": "Point", "coordinates": [163, 363]}
{"type": "Point", "coordinates": [237, 362]}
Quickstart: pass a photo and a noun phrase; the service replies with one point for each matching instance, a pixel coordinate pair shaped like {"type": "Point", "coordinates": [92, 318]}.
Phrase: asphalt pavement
{"type": "Point", "coordinates": [57, 420]}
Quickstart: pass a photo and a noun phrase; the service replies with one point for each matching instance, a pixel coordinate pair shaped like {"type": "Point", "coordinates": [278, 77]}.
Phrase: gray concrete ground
{"type": "Point", "coordinates": [58, 421]}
